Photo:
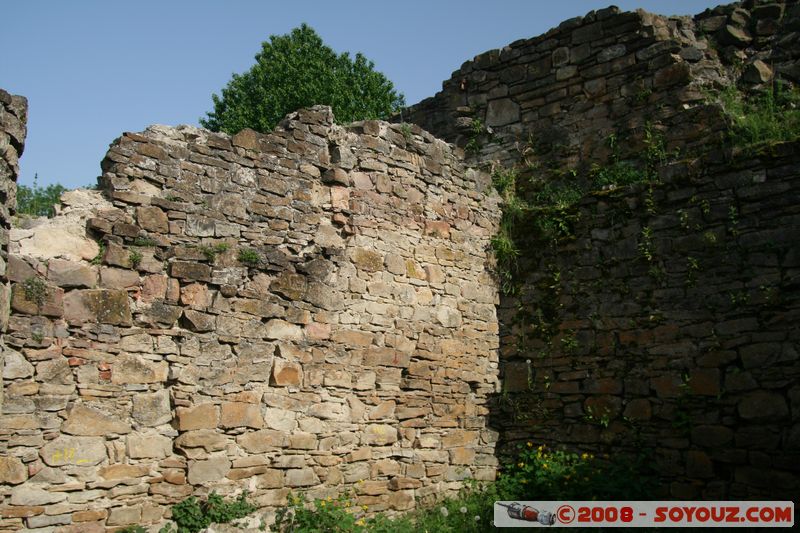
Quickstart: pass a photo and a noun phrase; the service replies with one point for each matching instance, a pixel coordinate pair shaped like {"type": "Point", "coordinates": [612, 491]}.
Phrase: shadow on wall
{"type": "Point", "coordinates": [663, 325]}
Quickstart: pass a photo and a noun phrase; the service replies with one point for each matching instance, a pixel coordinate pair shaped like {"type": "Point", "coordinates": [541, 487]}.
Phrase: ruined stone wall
{"type": "Point", "coordinates": [668, 327]}
{"type": "Point", "coordinates": [306, 310]}
{"type": "Point", "coordinates": [692, 353]}
{"type": "Point", "coordinates": [551, 102]}
{"type": "Point", "coordinates": [13, 130]}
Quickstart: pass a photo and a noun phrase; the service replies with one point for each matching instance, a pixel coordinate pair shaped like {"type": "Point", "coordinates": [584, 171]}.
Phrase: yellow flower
{"type": "Point", "coordinates": [584, 456]}
{"type": "Point", "coordinates": [591, 456]}
{"type": "Point", "coordinates": [544, 465]}
{"type": "Point", "coordinates": [530, 444]}
{"type": "Point", "coordinates": [322, 503]}
{"type": "Point", "coordinates": [540, 448]}
{"type": "Point", "coordinates": [364, 507]}
{"type": "Point", "coordinates": [360, 522]}
{"type": "Point", "coordinates": [520, 465]}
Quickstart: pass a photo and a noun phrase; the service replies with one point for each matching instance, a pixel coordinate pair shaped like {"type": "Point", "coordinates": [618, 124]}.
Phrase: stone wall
{"type": "Point", "coordinates": [692, 353]}
{"type": "Point", "coordinates": [551, 103]}
{"type": "Point", "coordinates": [13, 130]}
{"type": "Point", "coordinates": [306, 310]}
{"type": "Point", "coordinates": [668, 325]}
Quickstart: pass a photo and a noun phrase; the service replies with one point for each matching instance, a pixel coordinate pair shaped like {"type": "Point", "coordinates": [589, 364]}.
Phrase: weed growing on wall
{"type": "Point", "coordinates": [191, 515]}
{"type": "Point", "coordinates": [619, 172]}
{"type": "Point", "coordinates": [211, 252]}
{"type": "Point", "coordinates": [35, 290]}
{"type": "Point", "coordinates": [769, 116]}
{"type": "Point", "coordinates": [249, 257]}
{"type": "Point", "coordinates": [475, 131]}
{"type": "Point", "coordinates": [135, 257]}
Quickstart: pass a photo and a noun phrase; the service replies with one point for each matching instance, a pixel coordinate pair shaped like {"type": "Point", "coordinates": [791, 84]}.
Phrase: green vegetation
{"type": "Point", "coordinates": [766, 117]}
{"type": "Point", "coordinates": [249, 257]}
{"type": "Point", "coordinates": [299, 70]}
{"type": "Point", "coordinates": [548, 206]}
{"type": "Point", "coordinates": [476, 130]}
{"type": "Point", "coordinates": [98, 259]}
{"type": "Point", "coordinates": [135, 257]}
{"type": "Point", "coordinates": [132, 529]}
{"type": "Point", "coordinates": [505, 249]}
{"type": "Point", "coordinates": [35, 290]}
{"type": "Point", "coordinates": [145, 242]}
{"type": "Point", "coordinates": [192, 515]}
{"type": "Point", "coordinates": [405, 128]}
{"type": "Point", "coordinates": [534, 473]}
{"type": "Point", "coordinates": [36, 201]}
{"type": "Point", "coordinates": [211, 252]}
{"type": "Point", "coordinates": [621, 172]}
{"type": "Point", "coordinates": [646, 244]}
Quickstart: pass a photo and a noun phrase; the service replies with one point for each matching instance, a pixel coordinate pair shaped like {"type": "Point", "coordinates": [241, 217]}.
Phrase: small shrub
{"type": "Point", "coordinates": [405, 128]}
{"type": "Point", "coordinates": [476, 130]}
{"type": "Point", "coordinates": [329, 514]}
{"type": "Point", "coordinates": [543, 474]}
{"type": "Point", "coordinates": [249, 257]}
{"type": "Point", "coordinates": [135, 257]}
{"type": "Point", "coordinates": [211, 252]}
{"type": "Point", "coordinates": [191, 515]}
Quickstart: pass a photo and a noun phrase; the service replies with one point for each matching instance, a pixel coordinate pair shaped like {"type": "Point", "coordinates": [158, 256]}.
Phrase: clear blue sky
{"type": "Point", "coordinates": [94, 69]}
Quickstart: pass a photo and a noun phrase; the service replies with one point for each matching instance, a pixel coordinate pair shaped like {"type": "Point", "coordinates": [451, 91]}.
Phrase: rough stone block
{"type": "Point", "coordinates": [203, 416]}
{"type": "Point", "coordinates": [97, 305]}
{"type": "Point", "coordinates": [239, 414]}
{"type": "Point", "coordinates": [131, 368]}
{"type": "Point", "coordinates": [70, 274]}
{"type": "Point", "coordinates": [82, 420]}
{"type": "Point", "coordinates": [152, 409]}
{"type": "Point", "coordinates": [81, 451]}
{"type": "Point", "coordinates": [300, 477]}
{"type": "Point", "coordinates": [212, 469]}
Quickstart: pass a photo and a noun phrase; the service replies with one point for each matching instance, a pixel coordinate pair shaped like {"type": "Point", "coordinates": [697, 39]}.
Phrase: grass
{"type": "Point", "coordinates": [769, 116]}
{"type": "Point", "coordinates": [249, 257]}
{"type": "Point", "coordinates": [211, 252]}
{"type": "Point", "coordinates": [533, 473]}
{"type": "Point", "coordinates": [145, 242]}
{"type": "Point", "coordinates": [135, 257]}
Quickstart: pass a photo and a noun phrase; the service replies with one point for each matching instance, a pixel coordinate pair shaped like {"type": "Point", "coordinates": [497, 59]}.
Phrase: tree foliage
{"type": "Point", "coordinates": [38, 201]}
{"type": "Point", "coordinates": [298, 70]}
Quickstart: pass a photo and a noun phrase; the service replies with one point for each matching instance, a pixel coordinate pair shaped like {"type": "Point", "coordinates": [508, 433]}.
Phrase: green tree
{"type": "Point", "coordinates": [38, 201]}
{"type": "Point", "coordinates": [298, 70]}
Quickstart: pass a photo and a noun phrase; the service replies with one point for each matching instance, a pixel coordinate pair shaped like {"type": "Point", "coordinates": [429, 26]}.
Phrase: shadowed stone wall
{"type": "Point", "coordinates": [13, 129]}
{"type": "Point", "coordinates": [667, 327]}
{"type": "Point", "coordinates": [665, 320]}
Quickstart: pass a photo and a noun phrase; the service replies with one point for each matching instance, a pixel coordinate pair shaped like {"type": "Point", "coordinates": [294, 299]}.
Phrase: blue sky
{"type": "Point", "coordinates": [93, 69]}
